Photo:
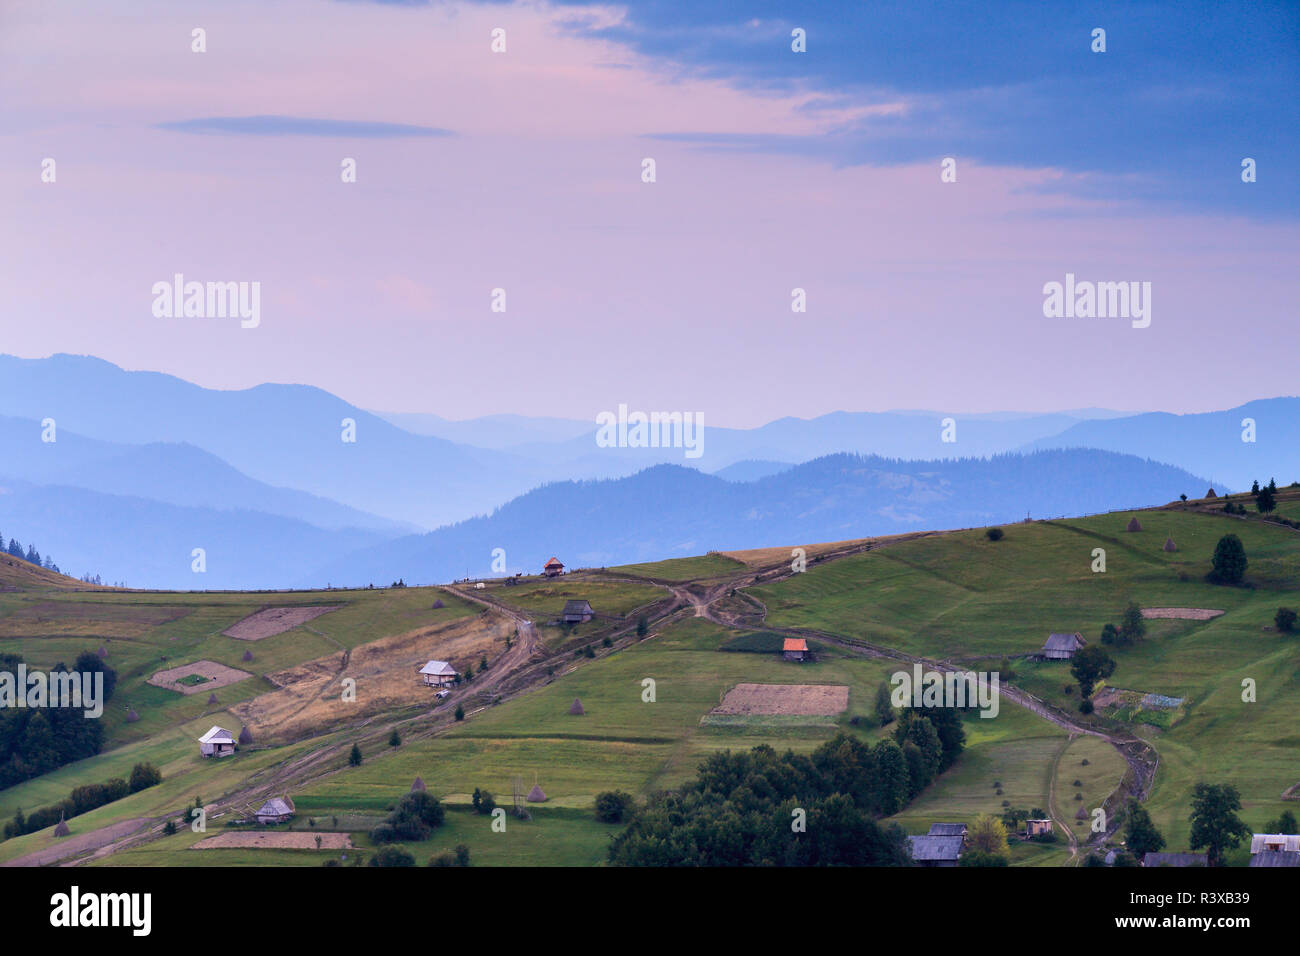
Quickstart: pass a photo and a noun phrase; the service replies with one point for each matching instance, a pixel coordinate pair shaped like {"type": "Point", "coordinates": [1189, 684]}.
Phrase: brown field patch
{"type": "Point", "coordinates": [1181, 613]}
{"type": "Point", "coordinates": [87, 618]}
{"type": "Point", "coordinates": [276, 620]}
{"type": "Point", "coordinates": [218, 675]}
{"type": "Point", "coordinates": [785, 699]}
{"type": "Point", "coordinates": [274, 840]}
{"type": "Point", "coordinates": [309, 697]}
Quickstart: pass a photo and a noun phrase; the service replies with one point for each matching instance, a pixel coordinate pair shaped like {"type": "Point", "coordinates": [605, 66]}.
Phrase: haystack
{"type": "Point", "coordinates": [418, 785]}
{"type": "Point", "coordinates": [438, 605]}
{"type": "Point", "coordinates": [536, 795]}
{"type": "Point", "coordinates": [61, 828]}
{"type": "Point", "coordinates": [131, 715]}
{"type": "Point", "coordinates": [1081, 814]}
{"type": "Point", "coordinates": [577, 710]}
{"type": "Point", "coordinates": [1134, 524]}
{"type": "Point", "coordinates": [248, 656]}
{"type": "Point", "coordinates": [1211, 494]}
{"type": "Point", "coordinates": [103, 651]}
{"type": "Point", "coordinates": [245, 737]}
{"type": "Point", "coordinates": [1169, 544]}
{"type": "Point", "coordinates": [212, 699]}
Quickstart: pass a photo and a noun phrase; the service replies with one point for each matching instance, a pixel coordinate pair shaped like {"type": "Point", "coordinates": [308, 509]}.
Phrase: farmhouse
{"type": "Point", "coordinates": [438, 673]}
{"type": "Point", "coordinates": [1274, 843]}
{"type": "Point", "coordinates": [1174, 859]}
{"type": "Point", "coordinates": [553, 568]}
{"type": "Point", "coordinates": [948, 829]}
{"type": "Point", "coordinates": [935, 850]}
{"type": "Point", "coordinates": [276, 810]}
{"type": "Point", "coordinates": [1061, 647]}
{"type": "Point", "coordinates": [217, 742]}
{"type": "Point", "coordinates": [1035, 828]}
{"type": "Point", "coordinates": [1280, 858]}
{"type": "Point", "coordinates": [795, 649]}
{"type": "Point", "coordinates": [577, 612]}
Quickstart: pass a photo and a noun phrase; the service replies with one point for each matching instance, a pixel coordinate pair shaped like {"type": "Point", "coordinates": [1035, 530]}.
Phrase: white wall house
{"type": "Point", "coordinates": [438, 673]}
{"type": "Point", "coordinates": [217, 742]}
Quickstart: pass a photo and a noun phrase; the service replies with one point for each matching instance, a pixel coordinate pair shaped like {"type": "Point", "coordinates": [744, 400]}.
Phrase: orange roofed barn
{"type": "Point", "coordinates": [553, 568]}
{"type": "Point", "coordinates": [795, 649]}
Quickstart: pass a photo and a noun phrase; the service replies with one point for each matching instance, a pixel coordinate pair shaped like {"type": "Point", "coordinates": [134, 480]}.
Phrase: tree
{"type": "Point", "coordinates": [1265, 501]}
{"type": "Point", "coordinates": [612, 806]}
{"type": "Point", "coordinates": [1215, 824]}
{"type": "Point", "coordinates": [974, 857]}
{"type": "Point", "coordinates": [462, 854]}
{"type": "Point", "coordinates": [884, 705]}
{"type": "Point", "coordinates": [483, 801]}
{"type": "Point", "coordinates": [642, 626]}
{"type": "Point", "coordinates": [1089, 665]}
{"type": "Point", "coordinates": [354, 758]}
{"type": "Point", "coordinates": [1229, 560]}
{"type": "Point", "coordinates": [392, 855]}
{"type": "Point", "coordinates": [1140, 833]}
{"type": "Point", "coordinates": [1285, 619]}
{"type": "Point", "coordinates": [143, 776]}
{"type": "Point", "coordinates": [989, 835]}
{"type": "Point", "coordinates": [1254, 487]}
{"type": "Point", "coordinates": [994, 534]}
{"type": "Point", "coordinates": [394, 739]}
{"type": "Point", "coordinates": [1283, 824]}
{"type": "Point", "coordinates": [460, 712]}
{"type": "Point", "coordinates": [1132, 626]}
{"type": "Point", "coordinates": [1110, 634]}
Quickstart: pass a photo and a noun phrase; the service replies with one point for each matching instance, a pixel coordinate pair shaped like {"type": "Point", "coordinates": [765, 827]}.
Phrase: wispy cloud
{"type": "Point", "coordinates": [300, 126]}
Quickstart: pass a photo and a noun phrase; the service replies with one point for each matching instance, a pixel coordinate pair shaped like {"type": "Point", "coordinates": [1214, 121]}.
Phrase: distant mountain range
{"type": "Point", "coordinates": [671, 511]}
{"type": "Point", "coordinates": [270, 466]}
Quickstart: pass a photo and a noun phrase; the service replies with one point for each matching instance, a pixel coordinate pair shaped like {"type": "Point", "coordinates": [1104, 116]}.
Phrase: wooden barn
{"type": "Point", "coordinates": [438, 673]}
{"type": "Point", "coordinates": [1061, 647]}
{"type": "Point", "coordinates": [935, 850]}
{"type": "Point", "coordinates": [795, 649]}
{"type": "Point", "coordinates": [948, 829]}
{"type": "Point", "coordinates": [577, 612]}
{"type": "Point", "coordinates": [1274, 843]}
{"type": "Point", "coordinates": [553, 568]}
{"type": "Point", "coordinates": [276, 810]}
{"type": "Point", "coordinates": [1035, 828]}
{"type": "Point", "coordinates": [217, 742]}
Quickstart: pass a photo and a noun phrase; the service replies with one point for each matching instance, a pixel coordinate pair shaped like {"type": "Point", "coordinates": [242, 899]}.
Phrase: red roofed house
{"type": "Point", "coordinates": [795, 649]}
{"type": "Point", "coordinates": [553, 568]}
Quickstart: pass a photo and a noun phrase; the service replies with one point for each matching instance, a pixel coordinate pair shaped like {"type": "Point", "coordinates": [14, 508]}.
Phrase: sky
{"type": "Point", "coordinates": [775, 170]}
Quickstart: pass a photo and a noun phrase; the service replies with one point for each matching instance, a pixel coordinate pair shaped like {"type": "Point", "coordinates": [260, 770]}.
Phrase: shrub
{"type": "Point", "coordinates": [1285, 619]}
{"type": "Point", "coordinates": [642, 626]}
{"type": "Point", "coordinates": [392, 856]}
{"type": "Point", "coordinates": [1085, 706]}
{"type": "Point", "coordinates": [613, 806]}
{"type": "Point", "coordinates": [143, 776]}
{"type": "Point", "coordinates": [460, 712]}
{"type": "Point", "coordinates": [994, 534]}
{"type": "Point", "coordinates": [483, 801]}
{"type": "Point", "coordinates": [394, 739]}
{"type": "Point", "coordinates": [354, 758]}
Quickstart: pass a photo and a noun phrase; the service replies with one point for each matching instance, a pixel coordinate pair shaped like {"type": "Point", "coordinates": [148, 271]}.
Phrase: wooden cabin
{"type": "Point", "coordinates": [1061, 647]}
{"type": "Point", "coordinates": [553, 568]}
{"type": "Point", "coordinates": [276, 810]}
{"type": "Point", "coordinates": [935, 850]}
{"type": "Point", "coordinates": [217, 742]}
{"type": "Point", "coordinates": [795, 649]}
{"type": "Point", "coordinates": [577, 612]}
{"type": "Point", "coordinates": [438, 674]}
{"type": "Point", "coordinates": [1035, 828]}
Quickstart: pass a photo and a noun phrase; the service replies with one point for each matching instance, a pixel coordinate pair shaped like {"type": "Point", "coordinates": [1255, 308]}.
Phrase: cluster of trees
{"type": "Point", "coordinates": [1266, 497]}
{"type": "Point", "coordinates": [34, 741]}
{"type": "Point", "coordinates": [416, 816]}
{"type": "Point", "coordinates": [1216, 828]}
{"type": "Point", "coordinates": [1132, 628]}
{"type": "Point", "coordinates": [83, 799]}
{"type": "Point", "coordinates": [395, 855]}
{"type": "Point", "coordinates": [31, 555]}
{"type": "Point", "coordinates": [762, 808]}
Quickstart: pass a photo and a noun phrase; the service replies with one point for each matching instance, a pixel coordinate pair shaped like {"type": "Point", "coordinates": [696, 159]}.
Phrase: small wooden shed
{"type": "Point", "coordinates": [794, 649]}
{"type": "Point", "coordinates": [1061, 647]}
{"type": "Point", "coordinates": [276, 810]}
{"type": "Point", "coordinates": [577, 612]}
{"type": "Point", "coordinates": [217, 742]}
{"type": "Point", "coordinates": [438, 674]}
{"type": "Point", "coordinates": [553, 568]}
